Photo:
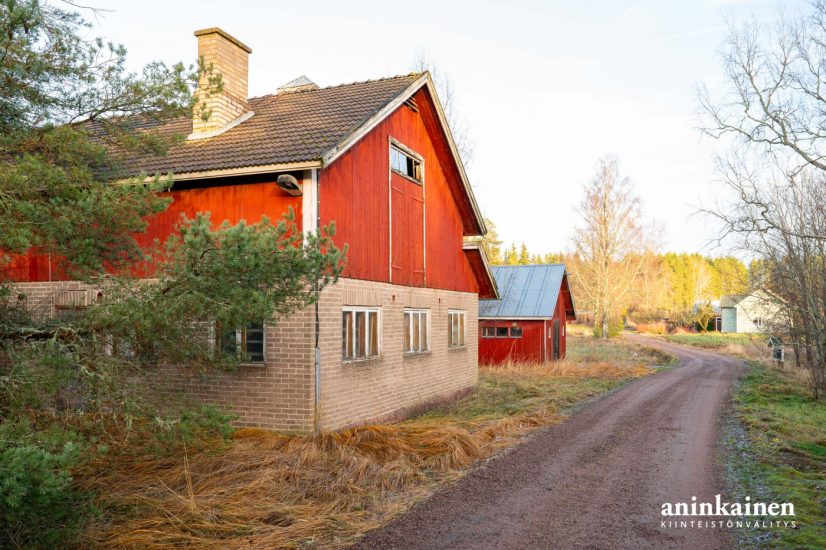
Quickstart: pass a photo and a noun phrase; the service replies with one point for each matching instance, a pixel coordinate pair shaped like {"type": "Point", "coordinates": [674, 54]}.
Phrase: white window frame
{"type": "Point", "coordinates": [462, 326]}
{"type": "Point", "coordinates": [369, 352]}
{"type": "Point", "coordinates": [409, 313]}
{"type": "Point", "coordinates": [418, 162]}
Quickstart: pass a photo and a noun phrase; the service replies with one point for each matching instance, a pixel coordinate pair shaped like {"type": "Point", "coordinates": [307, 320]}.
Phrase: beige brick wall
{"type": "Point", "coordinates": [357, 392]}
{"type": "Point", "coordinates": [280, 394]}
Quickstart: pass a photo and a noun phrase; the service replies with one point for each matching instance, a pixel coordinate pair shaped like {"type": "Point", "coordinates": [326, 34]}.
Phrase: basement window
{"type": "Point", "coordinates": [455, 329]}
{"type": "Point", "coordinates": [360, 330]}
{"type": "Point", "coordinates": [405, 164]}
{"type": "Point", "coordinates": [247, 343]}
{"type": "Point", "coordinates": [416, 330]}
{"type": "Point", "coordinates": [501, 332]}
{"type": "Point", "coordinates": [516, 332]}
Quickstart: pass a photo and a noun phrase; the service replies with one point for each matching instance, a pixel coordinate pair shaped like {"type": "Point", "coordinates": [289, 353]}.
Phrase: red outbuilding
{"type": "Point", "coordinates": [528, 322]}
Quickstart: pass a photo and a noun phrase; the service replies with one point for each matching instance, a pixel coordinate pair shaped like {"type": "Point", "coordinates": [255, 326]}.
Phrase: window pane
{"type": "Point", "coordinates": [361, 334]}
{"type": "Point", "coordinates": [373, 318]}
{"type": "Point", "coordinates": [425, 328]}
{"type": "Point", "coordinates": [455, 330]}
{"type": "Point", "coordinates": [501, 332]}
{"type": "Point", "coordinates": [416, 332]}
{"type": "Point", "coordinates": [461, 318]}
{"type": "Point", "coordinates": [516, 332]}
{"type": "Point", "coordinates": [347, 335]}
{"type": "Point", "coordinates": [407, 332]}
{"type": "Point", "coordinates": [449, 331]}
{"type": "Point", "coordinates": [255, 342]}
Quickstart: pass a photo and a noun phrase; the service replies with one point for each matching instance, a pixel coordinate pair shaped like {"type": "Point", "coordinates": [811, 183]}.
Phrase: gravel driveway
{"type": "Point", "coordinates": [597, 480]}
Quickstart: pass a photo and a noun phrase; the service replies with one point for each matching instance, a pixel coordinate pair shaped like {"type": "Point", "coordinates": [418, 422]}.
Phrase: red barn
{"type": "Point", "coordinates": [528, 322]}
{"type": "Point", "coordinates": [378, 159]}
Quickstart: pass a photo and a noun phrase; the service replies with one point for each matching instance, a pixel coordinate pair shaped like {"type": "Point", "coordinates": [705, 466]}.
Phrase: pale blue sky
{"type": "Point", "coordinates": [546, 88]}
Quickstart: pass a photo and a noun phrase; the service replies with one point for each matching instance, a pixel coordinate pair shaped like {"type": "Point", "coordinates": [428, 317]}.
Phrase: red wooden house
{"type": "Point", "coordinates": [377, 158]}
{"type": "Point", "coordinates": [528, 321]}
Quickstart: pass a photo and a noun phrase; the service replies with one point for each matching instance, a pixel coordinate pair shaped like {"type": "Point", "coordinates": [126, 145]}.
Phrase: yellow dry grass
{"type": "Point", "coordinates": [264, 490]}
{"type": "Point", "coordinates": [570, 369]}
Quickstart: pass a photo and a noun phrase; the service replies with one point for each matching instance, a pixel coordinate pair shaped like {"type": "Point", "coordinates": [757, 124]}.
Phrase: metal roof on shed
{"type": "Point", "coordinates": [525, 290]}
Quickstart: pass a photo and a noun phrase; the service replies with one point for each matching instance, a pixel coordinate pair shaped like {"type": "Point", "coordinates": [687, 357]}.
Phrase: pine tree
{"type": "Point", "coordinates": [524, 255]}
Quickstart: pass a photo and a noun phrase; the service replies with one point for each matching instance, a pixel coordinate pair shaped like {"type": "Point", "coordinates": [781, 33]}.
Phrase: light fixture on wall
{"type": "Point", "coordinates": [289, 184]}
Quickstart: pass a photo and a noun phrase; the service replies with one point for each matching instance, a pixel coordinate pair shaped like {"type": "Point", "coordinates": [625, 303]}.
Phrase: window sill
{"type": "Point", "coordinates": [362, 360]}
{"type": "Point", "coordinates": [253, 365]}
{"type": "Point", "coordinates": [414, 354]}
{"type": "Point", "coordinates": [457, 348]}
{"type": "Point", "coordinates": [409, 178]}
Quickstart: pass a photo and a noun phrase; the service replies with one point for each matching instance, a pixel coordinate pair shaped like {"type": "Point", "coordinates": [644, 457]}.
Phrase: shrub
{"type": "Point", "coordinates": [615, 327]}
{"type": "Point", "coordinates": [39, 508]}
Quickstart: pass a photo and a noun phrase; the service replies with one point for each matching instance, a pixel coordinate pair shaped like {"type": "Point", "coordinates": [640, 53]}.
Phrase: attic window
{"type": "Point", "coordinates": [405, 164]}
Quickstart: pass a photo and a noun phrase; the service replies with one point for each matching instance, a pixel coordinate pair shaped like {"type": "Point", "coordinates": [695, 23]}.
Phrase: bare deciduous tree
{"type": "Point", "coordinates": [447, 96]}
{"type": "Point", "coordinates": [775, 169]}
{"type": "Point", "coordinates": [608, 246]}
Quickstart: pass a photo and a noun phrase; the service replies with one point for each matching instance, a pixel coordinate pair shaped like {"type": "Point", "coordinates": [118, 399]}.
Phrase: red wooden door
{"type": "Point", "coordinates": [407, 231]}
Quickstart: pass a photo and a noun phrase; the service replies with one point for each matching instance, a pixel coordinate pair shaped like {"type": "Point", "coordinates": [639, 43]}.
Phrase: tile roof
{"type": "Point", "coordinates": [525, 290]}
{"type": "Point", "coordinates": [290, 126]}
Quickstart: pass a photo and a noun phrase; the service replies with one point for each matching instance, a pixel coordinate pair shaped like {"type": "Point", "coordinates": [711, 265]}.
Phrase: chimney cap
{"type": "Point", "coordinates": [225, 34]}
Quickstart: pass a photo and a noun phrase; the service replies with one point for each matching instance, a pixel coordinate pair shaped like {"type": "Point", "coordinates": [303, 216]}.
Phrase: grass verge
{"type": "Point", "coordinates": [783, 458]}
{"type": "Point", "coordinates": [267, 490]}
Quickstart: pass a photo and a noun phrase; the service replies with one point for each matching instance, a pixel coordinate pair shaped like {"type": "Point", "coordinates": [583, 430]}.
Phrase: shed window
{"type": "Point", "coordinates": [455, 329]}
{"type": "Point", "coordinates": [405, 164]}
{"type": "Point", "coordinates": [416, 330]}
{"type": "Point", "coordinates": [360, 338]}
{"type": "Point", "coordinates": [488, 332]}
{"type": "Point", "coordinates": [245, 343]}
{"type": "Point", "coordinates": [516, 332]}
{"type": "Point", "coordinates": [501, 332]}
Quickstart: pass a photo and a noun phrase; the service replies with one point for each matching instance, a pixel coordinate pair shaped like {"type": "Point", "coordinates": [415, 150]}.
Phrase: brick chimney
{"type": "Point", "coordinates": [229, 57]}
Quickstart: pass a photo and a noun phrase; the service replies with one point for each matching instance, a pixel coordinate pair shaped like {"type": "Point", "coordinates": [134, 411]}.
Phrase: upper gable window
{"type": "Point", "coordinates": [405, 164]}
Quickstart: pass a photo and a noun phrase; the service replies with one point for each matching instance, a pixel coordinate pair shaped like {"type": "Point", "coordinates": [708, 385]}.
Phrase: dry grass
{"type": "Point", "coordinates": [264, 490]}
{"type": "Point", "coordinates": [652, 328]}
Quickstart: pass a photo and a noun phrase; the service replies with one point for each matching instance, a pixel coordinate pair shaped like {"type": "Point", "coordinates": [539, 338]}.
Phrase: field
{"type": "Point", "coordinates": [786, 431]}
{"type": "Point", "coordinates": [263, 490]}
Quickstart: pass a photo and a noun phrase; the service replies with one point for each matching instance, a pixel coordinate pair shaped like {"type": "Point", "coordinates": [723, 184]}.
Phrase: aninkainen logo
{"type": "Point", "coordinates": [718, 508]}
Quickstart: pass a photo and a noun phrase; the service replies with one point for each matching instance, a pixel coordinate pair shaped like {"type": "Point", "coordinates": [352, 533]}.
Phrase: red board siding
{"type": "Point", "coordinates": [233, 203]}
{"type": "Point", "coordinates": [499, 350]}
{"type": "Point", "coordinates": [355, 191]}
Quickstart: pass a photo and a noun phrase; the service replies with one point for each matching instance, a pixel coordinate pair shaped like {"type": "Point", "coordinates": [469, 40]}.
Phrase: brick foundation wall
{"type": "Point", "coordinates": [280, 394]}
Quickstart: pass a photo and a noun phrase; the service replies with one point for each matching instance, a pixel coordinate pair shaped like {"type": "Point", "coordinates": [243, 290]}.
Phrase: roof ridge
{"type": "Point", "coordinates": [368, 81]}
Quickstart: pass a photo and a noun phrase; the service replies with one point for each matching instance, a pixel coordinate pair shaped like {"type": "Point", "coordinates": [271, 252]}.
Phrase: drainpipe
{"type": "Point", "coordinates": [317, 402]}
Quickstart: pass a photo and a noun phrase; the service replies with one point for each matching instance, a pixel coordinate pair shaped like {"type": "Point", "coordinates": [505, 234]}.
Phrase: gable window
{"type": "Point", "coordinates": [405, 164]}
{"type": "Point", "coordinates": [245, 343]}
{"type": "Point", "coordinates": [516, 332]}
{"type": "Point", "coordinates": [416, 330]}
{"type": "Point", "coordinates": [501, 332]}
{"type": "Point", "coordinates": [455, 329]}
{"type": "Point", "coordinates": [360, 333]}
{"type": "Point", "coordinates": [488, 332]}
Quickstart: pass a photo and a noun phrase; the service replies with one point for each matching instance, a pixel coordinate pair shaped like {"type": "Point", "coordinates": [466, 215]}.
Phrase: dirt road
{"type": "Point", "coordinates": [597, 480]}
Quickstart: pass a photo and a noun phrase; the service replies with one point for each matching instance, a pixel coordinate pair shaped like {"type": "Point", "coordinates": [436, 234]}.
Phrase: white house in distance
{"type": "Point", "coordinates": [747, 313]}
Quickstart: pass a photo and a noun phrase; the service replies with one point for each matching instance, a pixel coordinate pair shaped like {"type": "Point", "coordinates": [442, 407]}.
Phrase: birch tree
{"type": "Point", "coordinates": [608, 244]}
